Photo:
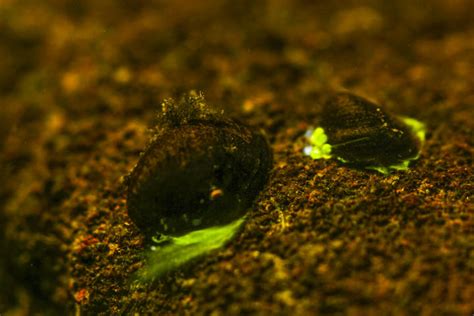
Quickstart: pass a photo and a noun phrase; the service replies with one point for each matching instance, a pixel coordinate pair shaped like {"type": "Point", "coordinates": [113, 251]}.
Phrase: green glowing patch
{"type": "Point", "coordinates": [319, 148]}
{"type": "Point", "coordinates": [418, 128]}
{"type": "Point", "coordinates": [173, 252]}
{"type": "Point", "coordinates": [386, 170]}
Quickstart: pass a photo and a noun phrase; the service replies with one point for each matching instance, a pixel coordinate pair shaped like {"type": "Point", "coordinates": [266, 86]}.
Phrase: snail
{"type": "Point", "coordinates": [359, 132]}
{"type": "Point", "coordinates": [201, 169]}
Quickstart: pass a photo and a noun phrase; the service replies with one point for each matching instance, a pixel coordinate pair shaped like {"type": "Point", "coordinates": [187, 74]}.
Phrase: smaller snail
{"type": "Point", "coordinates": [359, 132]}
{"type": "Point", "coordinates": [195, 180]}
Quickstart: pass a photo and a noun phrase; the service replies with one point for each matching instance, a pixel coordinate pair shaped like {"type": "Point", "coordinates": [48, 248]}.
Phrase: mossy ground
{"type": "Point", "coordinates": [80, 83]}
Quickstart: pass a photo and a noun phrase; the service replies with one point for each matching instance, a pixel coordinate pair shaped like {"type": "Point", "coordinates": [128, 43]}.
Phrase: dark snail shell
{"type": "Point", "coordinates": [201, 169]}
{"type": "Point", "coordinates": [362, 133]}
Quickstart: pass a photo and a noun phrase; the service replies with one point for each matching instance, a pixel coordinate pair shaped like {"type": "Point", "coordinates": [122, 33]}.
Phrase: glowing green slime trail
{"type": "Point", "coordinates": [180, 250]}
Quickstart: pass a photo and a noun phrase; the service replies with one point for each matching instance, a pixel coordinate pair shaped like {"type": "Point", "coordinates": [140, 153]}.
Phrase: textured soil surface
{"type": "Point", "coordinates": [80, 84]}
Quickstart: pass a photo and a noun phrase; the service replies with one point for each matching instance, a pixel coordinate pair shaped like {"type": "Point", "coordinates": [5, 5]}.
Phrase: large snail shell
{"type": "Point", "coordinates": [201, 170]}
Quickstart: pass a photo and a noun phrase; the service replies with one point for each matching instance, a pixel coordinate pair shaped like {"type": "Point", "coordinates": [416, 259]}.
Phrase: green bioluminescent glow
{"type": "Point", "coordinates": [418, 128]}
{"type": "Point", "coordinates": [320, 149]}
{"type": "Point", "coordinates": [173, 252]}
